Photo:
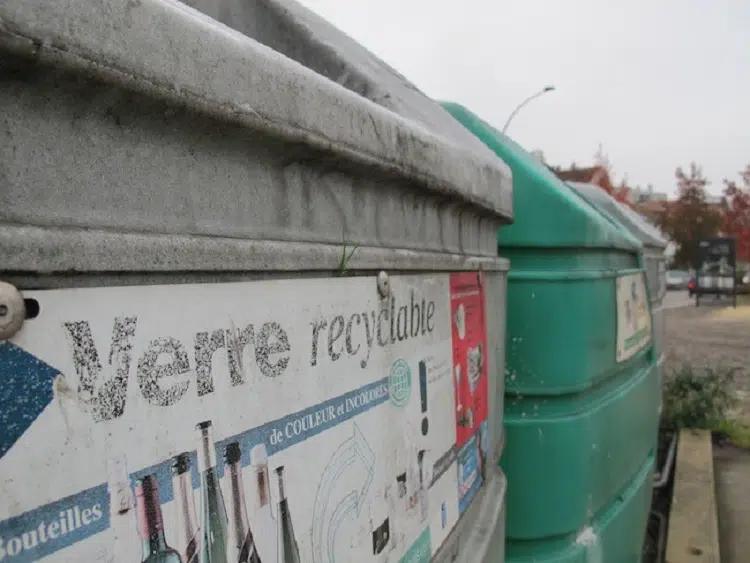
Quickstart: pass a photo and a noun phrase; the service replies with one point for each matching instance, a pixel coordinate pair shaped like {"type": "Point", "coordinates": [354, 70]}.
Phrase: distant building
{"type": "Point", "coordinates": [592, 175]}
{"type": "Point", "coordinates": [639, 195]}
{"type": "Point", "coordinates": [646, 201]}
{"type": "Point", "coordinates": [597, 175]}
{"type": "Point", "coordinates": [653, 209]}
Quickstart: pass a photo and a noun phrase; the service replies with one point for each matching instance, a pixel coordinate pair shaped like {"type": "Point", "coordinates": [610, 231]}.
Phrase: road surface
{"type": "Point", "coordinates": [674, 299]}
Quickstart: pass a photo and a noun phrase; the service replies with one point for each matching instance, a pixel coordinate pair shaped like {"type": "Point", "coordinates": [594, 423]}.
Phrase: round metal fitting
{"type": "Point", "coordinates": [12, 310]}
{"type": "Point", "coordinates": [384, 285]}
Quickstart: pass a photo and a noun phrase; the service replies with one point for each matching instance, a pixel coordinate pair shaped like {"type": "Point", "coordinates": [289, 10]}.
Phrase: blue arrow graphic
{"type": "Point", "coordinates": [325, 527]}
{"type": "Point", "coordinates": [25, 391]}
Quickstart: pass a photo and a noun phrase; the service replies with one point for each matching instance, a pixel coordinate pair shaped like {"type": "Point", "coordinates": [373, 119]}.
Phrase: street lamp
{"type": "Point", "coordinates": [526, 101]}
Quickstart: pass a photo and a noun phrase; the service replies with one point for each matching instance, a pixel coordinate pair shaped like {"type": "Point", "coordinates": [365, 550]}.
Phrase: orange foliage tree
{"type": "Point", "coordinates": [690, 218]}
{"type": "Point", "coordinates": [736, 216]}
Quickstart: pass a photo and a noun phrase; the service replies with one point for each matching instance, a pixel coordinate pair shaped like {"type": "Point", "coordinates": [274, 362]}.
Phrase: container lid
{"type": "Point", "coordinates": [293, 30]}
{"type": "Point", "coordinates": [547, 212]}
{"type": "Point", "coordinates": [638, 226]}
{"type": "Point", "coordinates": [282, 74]}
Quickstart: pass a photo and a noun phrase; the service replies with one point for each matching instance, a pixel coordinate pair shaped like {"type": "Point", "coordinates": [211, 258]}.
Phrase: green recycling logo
{"type": "Point", "coordinates": [399, 383]}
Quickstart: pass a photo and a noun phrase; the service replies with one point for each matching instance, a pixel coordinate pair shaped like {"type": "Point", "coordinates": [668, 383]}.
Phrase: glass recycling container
{"type": "Point", "coordinates": [654, 245]}
{"type": "Point", "coordinates": [249, 311]}
{"type": "Point", "coordinates": [581, 380]}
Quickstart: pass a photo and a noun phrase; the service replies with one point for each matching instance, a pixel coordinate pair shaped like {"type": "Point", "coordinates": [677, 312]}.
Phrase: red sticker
{"type": "Point", "coordinates": [469, 337]}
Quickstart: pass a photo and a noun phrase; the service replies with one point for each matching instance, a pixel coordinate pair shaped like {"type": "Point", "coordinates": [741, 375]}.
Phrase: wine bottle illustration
{"type": "Point", "coordinates": [187, 524]}
{"type": "Point", "coordinates": [424, 484]}
{"type": "Point", "coordinates": [123, 521]}
{"type": "Point", "coordinates": [410, 477]}
{"type": "Point", "coordinates": [390, 498]}
{"type": "Point", "coordinates": [380, 528]}
{"type": "Point", "coordinates": [287, 551]}
{"type": "Point", "coordinates": [480, 454]}
{"type": "Point", "coordinates": [241, 544]}
{"type": "Point", "coordinates": [262, 518]}
{"type": "Point", "coordinates": [214, 526]}
{"type": "Point", "coordinates": [151, 525]}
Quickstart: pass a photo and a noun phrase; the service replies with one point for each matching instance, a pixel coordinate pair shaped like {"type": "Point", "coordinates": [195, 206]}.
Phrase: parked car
{"type": "Point", "coordinates": [677, 279]}
{"type": "Point", "coordinates": [743, 285]}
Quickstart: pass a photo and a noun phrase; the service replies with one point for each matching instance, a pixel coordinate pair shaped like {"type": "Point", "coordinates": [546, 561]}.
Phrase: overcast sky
{"type": "Point", "coordinates": [658, 83]}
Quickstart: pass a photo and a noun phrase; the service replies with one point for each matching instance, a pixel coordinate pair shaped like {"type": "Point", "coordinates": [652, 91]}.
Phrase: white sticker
{"type": "Point", "coordinates": [633, 316]}
{"type": "Point", "coordinates": [175, 418]}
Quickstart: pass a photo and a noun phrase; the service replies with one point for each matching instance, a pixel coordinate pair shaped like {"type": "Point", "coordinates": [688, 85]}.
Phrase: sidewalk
{"type": "Point", "coordinates": [710, 336]}
{"type": "Point", "coordinates": [732, 474]}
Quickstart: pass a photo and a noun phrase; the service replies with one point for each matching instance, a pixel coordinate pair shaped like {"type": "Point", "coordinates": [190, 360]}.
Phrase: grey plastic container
{"type": "Point", "coordinates": [654, 245]}
{"type": "Point", "coordinates": [147, 143]}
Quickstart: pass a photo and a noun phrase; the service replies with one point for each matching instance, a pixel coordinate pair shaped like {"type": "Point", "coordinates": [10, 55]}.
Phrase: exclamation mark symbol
{"type": "Point", "coordinates": [423, 395]}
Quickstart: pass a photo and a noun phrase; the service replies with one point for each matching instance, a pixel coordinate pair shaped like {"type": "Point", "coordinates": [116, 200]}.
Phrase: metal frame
{"type": "Point", "coordinates": [716, 246]}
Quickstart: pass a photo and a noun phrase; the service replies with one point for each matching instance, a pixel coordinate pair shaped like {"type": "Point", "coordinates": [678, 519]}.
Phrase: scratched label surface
{"type": "Point", "coordinates": [633, 316]}
{"type": "Point", "coordinates": [130, 413]}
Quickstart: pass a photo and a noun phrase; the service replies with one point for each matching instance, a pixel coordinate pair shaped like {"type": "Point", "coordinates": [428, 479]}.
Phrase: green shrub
{"type": "Point", "coordinates": [697, 398]}
{"type": "Point", "coordinates": [736, 432]}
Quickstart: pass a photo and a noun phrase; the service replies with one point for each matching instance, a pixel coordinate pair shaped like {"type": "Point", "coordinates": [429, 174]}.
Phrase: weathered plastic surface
{"type": "Point", "coordinates": [293, 30]}
{"type": "Point", "coordinates": [581, 402]}
{"type": "Point", "coordinates": [654, 245]}
{"type": "Point", "coordinates": [201, 221]}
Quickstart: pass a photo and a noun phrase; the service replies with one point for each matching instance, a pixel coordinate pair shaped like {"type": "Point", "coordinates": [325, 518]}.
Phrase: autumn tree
{"type": "Point", "coordinates": [690, 218]}
{"type": "Point", "coordinates": [736, 216]}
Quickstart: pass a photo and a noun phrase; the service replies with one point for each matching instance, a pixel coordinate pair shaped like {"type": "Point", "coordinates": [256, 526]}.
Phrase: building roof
{"type": "Point", "coordinates": [592, 175]}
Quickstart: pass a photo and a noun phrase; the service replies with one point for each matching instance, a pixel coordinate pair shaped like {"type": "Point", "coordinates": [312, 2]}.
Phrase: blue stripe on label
{"type": "Point", "coordinates": [443, 464]}
{"type": "Point", "coordinates": [52, 527]}
{"type": "Point", "coordinates": [25, 391]}
{"type": "Point", "coordinates": [277, 436]}
{"type": "Point", "coordinates": [469, 474]}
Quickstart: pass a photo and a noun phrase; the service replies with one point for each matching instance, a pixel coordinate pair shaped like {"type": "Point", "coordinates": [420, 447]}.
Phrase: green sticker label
{"type": "Point", "coordinates": [399, 383]}
{"type": "Point", "coordinates": [421, 550]}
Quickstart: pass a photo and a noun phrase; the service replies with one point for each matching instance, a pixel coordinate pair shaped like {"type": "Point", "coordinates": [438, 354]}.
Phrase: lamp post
{"type": "Point", "coordinates": [526, 101]}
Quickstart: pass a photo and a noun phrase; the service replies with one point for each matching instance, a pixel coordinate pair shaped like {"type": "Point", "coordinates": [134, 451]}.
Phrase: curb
{"type": "Point", "coordinates": [693, 535]}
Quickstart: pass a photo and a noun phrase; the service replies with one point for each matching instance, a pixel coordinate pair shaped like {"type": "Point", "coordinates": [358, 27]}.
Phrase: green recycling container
{"type": "Point", "coordinates": [654, 245]}
{"type": "Point", "coordinates": [582, 386]}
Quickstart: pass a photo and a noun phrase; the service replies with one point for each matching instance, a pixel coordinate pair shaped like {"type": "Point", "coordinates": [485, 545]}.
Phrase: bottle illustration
{"type": "Point", "coordinates": [151, 525]}
{"type": "Point", "coordinates": [466, 418]}
{"type": "Point", "coordinates": [241, 544]}
{"type": "Point", "coordinates": [412, 470]}
{"type": "Point", "coordinates": [406, 476]}
{"type": "Point", "coordinates": [474, 361]}
{"type": "Point", "coordinates": [123, 521]}
{"type": "Point", "coordinates": [390, 500]}
{"type": "Point", "coordinates": [480, 453]}
{"type": "Point", "coordinates": [379, 525]}
{"type": "Point", "coordinates": [424, 475]}
{"type": "Point", "coordinates": [262, 518]}
{"type": "Point", "coordinates": [214, 524]}
{"type": "Point", "coordinates": [460, 320]}
{"type": "Point", "coordinates": [401, 484]}
{"type": "Point", "coordinates": [287, 551]}
{"type": "Point", "coordinates": [187, 524]}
